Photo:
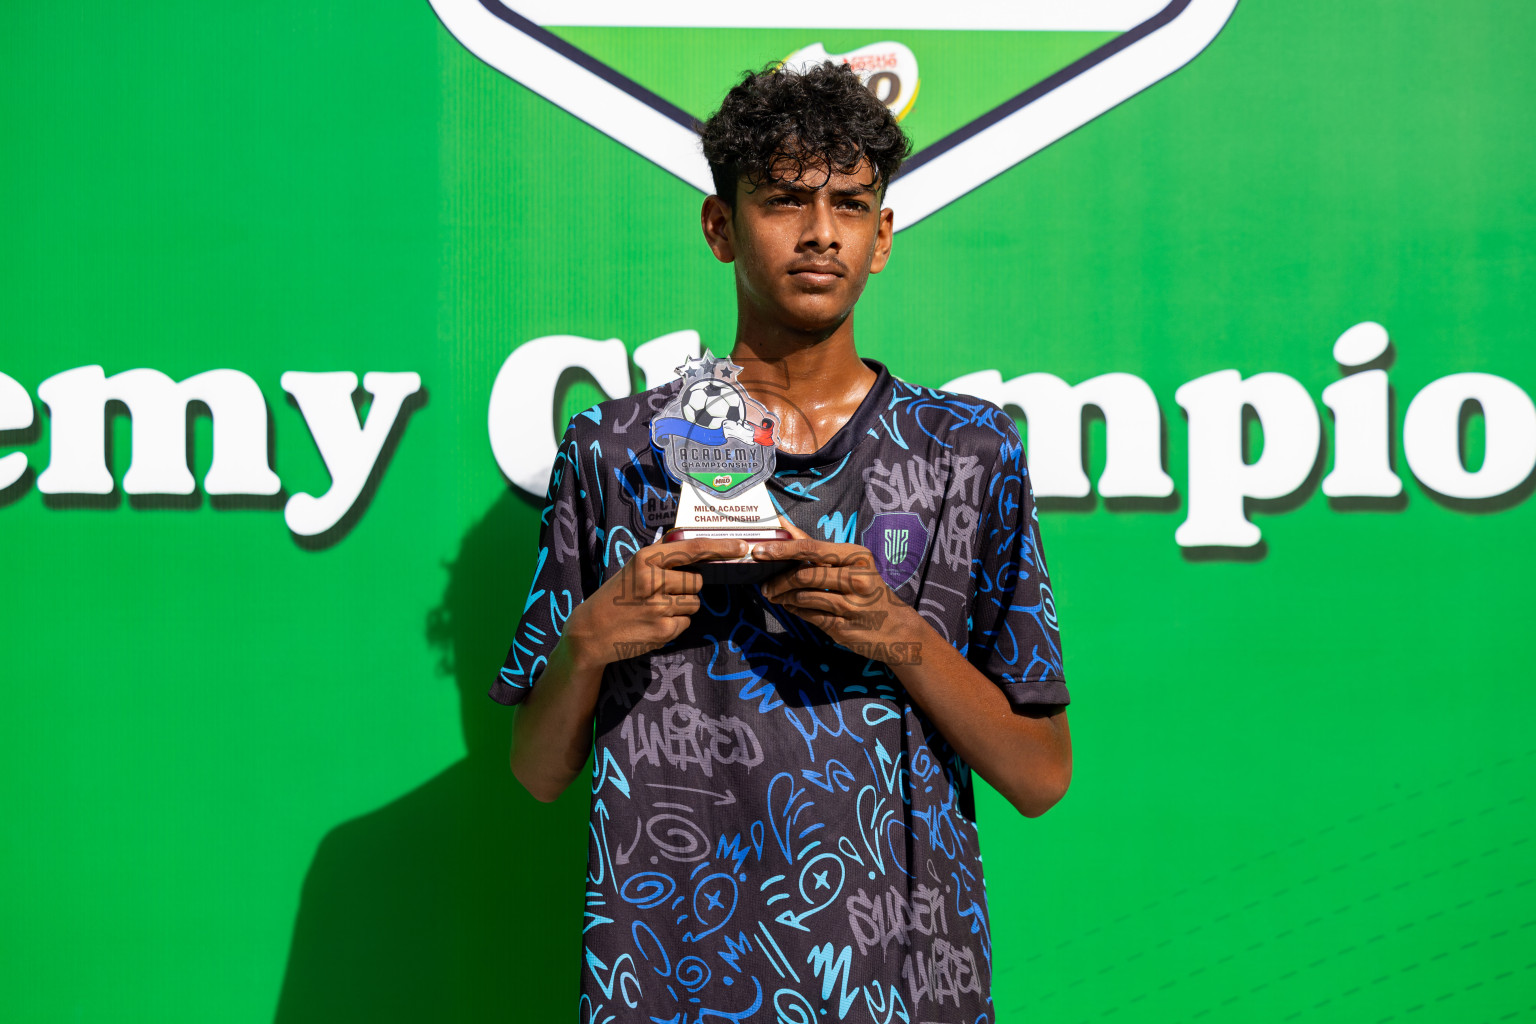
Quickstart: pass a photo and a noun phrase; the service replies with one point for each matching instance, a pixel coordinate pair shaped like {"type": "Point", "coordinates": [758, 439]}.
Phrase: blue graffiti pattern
{"type": "Point", "coordinates": [778, 833]}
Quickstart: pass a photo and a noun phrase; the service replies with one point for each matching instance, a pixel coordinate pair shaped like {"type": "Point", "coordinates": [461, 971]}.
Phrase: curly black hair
{"type": "Point", "coordinates": [820, 114]}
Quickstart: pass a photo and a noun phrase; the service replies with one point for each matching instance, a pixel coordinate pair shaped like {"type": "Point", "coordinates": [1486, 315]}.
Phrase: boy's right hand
{"type": "Point", "coordinates": [646, 604]}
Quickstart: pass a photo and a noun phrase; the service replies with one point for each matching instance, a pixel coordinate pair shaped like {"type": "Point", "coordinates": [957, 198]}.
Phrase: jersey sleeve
{"type": "Point", "coordinates": [1014, 638]}
{"type": "Point", "coordinates": [563, 574]}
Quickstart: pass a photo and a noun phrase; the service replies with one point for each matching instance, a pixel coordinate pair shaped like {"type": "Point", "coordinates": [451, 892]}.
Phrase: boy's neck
{"type": "Point", "coordinates": [812, 384]}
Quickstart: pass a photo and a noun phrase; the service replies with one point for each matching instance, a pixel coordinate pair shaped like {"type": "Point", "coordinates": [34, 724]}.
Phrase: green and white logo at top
{"type": "Point", "coordinates": [979, 86]}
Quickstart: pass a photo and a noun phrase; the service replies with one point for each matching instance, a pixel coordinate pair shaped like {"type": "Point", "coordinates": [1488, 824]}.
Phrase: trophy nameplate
{"type": "Point", "coordinates": [718, 443]}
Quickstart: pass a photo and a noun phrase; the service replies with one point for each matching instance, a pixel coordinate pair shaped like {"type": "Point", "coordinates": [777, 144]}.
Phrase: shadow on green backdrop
{"type": "Point", "coordinates": [461, 900]}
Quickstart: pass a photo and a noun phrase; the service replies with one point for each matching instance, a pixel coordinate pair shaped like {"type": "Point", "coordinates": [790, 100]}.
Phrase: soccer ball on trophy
{"type": "Point", "coordinates": [712, 404]}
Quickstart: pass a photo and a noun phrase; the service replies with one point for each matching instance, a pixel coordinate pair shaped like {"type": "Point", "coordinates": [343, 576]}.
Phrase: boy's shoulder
{"type": "Point", "coordinates": [963, 424]}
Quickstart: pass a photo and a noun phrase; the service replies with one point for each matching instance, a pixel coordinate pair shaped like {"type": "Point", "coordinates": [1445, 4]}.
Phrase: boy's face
{"type": "Point", "coordinates": [802, 249]}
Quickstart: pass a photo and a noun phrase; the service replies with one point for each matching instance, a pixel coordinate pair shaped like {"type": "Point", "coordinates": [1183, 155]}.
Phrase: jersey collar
{"type": "Point", "coordinates": [851, 432]}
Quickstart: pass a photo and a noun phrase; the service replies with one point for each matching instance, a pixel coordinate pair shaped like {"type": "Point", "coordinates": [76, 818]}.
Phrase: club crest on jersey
{"type": "Point", "coordinates": [1013, 78]}
{"type": "Point", "coordinates": [712, 432]}
{"type": "Point", "coordinates": [898, 541]}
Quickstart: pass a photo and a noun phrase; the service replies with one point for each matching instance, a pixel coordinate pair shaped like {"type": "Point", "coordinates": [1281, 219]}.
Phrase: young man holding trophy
{"type": "Point", "coordinates": [789, 607]}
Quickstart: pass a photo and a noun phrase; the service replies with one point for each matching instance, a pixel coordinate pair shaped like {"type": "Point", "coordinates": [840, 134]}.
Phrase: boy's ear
{"type": "Point", "coordinates": [883, 237]}
{"type": "Point", "coordinates": [715, 220]}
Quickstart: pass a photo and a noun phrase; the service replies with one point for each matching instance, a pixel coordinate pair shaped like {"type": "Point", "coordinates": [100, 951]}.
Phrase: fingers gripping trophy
{"type": "Point", "coordinates": [718, 443]}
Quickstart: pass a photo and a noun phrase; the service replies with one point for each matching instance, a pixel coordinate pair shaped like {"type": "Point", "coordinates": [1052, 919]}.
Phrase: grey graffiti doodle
{"type": "Point", "coordinates": [903, 485]}
{"type": "Point", "coordinates": [657, 399]}
{"type": "Point", "coordinates": [621, 427]}
{"type": "Point", "coordinates": [686, 737]}
{"type": "Point", "coordinates": [631, 680]}
{"type": "Point", "coordinates": [622, 855]}
{"type": "Point", "coordinates": [966, 477]}
{"type": "Point", "coordinates": [677, 838]}
{"type": "Point", "coordinates": [564, 533]}
{"type": "Point", "coordinates": [945, 973]}
{"type": "Point", "coordinates": [880, 920]}
{"type": "Point", "coordinates": [917, 481]}
{"type": "Point", "coordinates": [956, 537]}
{"type": "Point", "coordinates": [719, 799]}
{"type": "Point", "coordinates": [667, 672]}
{"type": "Point", "coordinates": [934, 612]}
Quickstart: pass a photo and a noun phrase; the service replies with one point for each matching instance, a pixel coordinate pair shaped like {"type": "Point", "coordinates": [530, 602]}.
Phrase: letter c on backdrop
{"type": "Point", "coordinates": [523, 400]}
{"type": "Point", "coordinates": [522, 406]}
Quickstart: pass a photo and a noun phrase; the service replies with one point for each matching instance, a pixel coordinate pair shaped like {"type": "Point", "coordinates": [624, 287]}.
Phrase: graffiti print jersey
{"type": "Point", "coordinates": [778, 833]}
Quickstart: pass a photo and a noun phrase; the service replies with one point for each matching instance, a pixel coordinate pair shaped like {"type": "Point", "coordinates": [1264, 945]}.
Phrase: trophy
{"type": "Point", "coordinates": [718, 443]}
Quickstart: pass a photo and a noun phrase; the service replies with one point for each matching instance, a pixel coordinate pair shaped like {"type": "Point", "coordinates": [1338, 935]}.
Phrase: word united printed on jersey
{"type": "Point", "coordinates": [777, 831]}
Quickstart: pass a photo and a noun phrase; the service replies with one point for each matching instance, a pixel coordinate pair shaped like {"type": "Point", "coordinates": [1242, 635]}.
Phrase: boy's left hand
{"type": "Point", "coordinates": [838, 590]}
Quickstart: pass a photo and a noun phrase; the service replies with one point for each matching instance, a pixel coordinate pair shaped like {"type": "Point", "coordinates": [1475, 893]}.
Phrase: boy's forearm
{"type": "Point", "coordinates": [552, 730]}
{"type": "Point", "coordinates": [1027, 759]}
{"type": "Point", "coordinates": [646, 605]}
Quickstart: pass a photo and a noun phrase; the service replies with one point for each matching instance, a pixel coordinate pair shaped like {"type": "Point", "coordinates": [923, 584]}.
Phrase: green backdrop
{"type": "Point", "coordinates": [248, 774]}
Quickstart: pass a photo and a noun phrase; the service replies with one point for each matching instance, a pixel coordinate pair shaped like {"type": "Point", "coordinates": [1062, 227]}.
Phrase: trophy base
{"type": "Point", "coordinates": [732, 570]}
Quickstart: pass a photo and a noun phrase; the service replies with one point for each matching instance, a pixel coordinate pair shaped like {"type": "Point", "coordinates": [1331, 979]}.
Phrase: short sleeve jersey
{"type": "Point", "coordinates": [778, 832]}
